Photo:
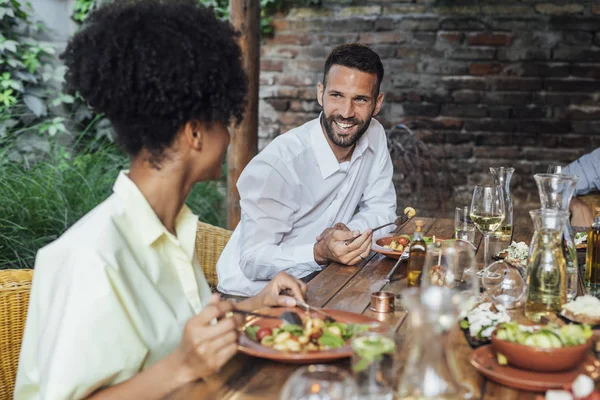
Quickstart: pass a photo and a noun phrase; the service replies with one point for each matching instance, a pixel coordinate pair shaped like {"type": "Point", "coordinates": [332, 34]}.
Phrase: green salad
{"type": "Point", "coordinates": [548, 337]}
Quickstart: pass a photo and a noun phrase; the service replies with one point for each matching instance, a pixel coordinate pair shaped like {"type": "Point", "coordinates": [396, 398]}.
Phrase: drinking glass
{"type": "Point", "coordinates": [487, 213]}
{"type": "Point", "coordinates": [373, 354]}
{"type": "Point", "coordinates": [464, 228]}
{"type": "Point", "coordinates": [451, 264]}
{"type": "Point", "coordinates": [319, 382]}
{"type": "Point", "coordinates": [555, 169]}
{"type": "Point", "coordinates": [505, 284]}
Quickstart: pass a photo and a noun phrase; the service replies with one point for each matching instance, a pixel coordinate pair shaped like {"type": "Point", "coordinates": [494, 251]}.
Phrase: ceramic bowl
{"type": "Point", "coordinates": [540, 359]}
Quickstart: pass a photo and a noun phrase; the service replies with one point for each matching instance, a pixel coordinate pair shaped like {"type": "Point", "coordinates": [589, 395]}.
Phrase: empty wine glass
{"type": "Point", "coordinates": [319, 382]}
{"type": "Point", "coordinates": [487, 213]}
{"type": "Point", "coordinates": [451, 264]}
{"type": "Point", "coordinates": [504, 284]}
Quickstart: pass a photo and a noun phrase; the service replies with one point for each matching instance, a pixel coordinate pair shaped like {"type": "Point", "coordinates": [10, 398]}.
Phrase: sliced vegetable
{"type": "Point", "coordinates": [251, 332]}
{"type": "Point", "coordinates": [263, 332]}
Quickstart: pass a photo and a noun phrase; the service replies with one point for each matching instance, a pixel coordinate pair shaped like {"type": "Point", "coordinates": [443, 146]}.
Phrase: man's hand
{"type": "Point", "coordinates": [332, 246]}
{"type": "Point", "coordinates": [205, 347]}
{"type": "Point", "coordinates": [581, 213]}
{"type": "Point", "coordinates": [339, 226]}
{"type": "Point", "coordinates": [282, 290]}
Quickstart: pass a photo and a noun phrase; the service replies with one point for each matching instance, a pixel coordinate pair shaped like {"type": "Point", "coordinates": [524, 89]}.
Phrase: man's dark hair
{"type": "Point", "coordinates": [151, 66]}
{"type": "Point", "coordinates": [357, 56]}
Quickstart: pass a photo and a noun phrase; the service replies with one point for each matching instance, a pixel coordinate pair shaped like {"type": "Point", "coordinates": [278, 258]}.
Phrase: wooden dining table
{"type": "Point", "coordinates": [349, 288]}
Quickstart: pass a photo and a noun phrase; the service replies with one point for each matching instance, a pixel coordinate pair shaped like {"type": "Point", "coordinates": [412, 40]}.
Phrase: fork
{"type": "Point", "coordinates": [303, 304]}
{"type": "Point", "coordinates": [398, 222]}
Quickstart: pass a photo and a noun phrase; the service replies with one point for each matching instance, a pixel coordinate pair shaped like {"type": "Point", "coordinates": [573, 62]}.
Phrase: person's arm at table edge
{"type": "Point", "coordinates": [268, 198]}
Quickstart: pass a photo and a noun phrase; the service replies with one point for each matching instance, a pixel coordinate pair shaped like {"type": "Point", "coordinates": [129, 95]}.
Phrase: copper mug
{"type": "Point", "coordinates": [382, 302]}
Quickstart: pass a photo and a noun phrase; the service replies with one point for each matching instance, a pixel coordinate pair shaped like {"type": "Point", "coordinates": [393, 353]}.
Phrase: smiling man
{"type": "Point", "coordinates": [317, 185]}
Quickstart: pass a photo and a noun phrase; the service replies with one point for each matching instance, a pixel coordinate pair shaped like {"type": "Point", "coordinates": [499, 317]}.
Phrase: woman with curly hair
{"type": "Point", "coordinates": [119, 306]}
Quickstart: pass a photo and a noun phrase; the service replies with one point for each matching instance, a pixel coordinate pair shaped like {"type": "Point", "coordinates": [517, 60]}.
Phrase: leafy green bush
{"type": "Point", "coordinates": [40, 202]}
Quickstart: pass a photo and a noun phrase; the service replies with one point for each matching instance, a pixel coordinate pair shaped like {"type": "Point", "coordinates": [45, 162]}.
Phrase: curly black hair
{"type": "Point", "coordinates": [151, 66]}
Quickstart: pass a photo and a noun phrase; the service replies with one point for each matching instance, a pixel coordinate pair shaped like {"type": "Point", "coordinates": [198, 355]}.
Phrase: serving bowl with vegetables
{"type": "Point", "coordinates": [545, 349]}
{"type": "Point", "coordinates": [313, 341]}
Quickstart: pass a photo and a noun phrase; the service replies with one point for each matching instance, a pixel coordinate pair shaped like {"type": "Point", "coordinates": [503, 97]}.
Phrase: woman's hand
{"type": "Point", "coordinates": [283, 290]}
{"type": "Point", "coordinates": [205, 347]}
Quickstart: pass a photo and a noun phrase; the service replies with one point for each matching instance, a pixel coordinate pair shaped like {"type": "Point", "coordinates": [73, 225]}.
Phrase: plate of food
{"type": "Point", "coordinates": [580, 240]}
{"type": "Point", "coordinates": [479, 323]}
{"type": "Point", "coordinates": [313, 342]}
{"type": "Point", "coordinates": [516, 254]}
{"type": "Point", "coordinates": [582, 310]}
{"type": "Point", "coordinates": [396, 245]}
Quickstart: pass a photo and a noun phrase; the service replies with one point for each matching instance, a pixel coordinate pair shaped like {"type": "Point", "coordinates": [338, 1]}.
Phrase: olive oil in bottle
{"type": "Point", "coordinates": [416, 255]}
{"type": "Point", "coordinates": [592, 257]}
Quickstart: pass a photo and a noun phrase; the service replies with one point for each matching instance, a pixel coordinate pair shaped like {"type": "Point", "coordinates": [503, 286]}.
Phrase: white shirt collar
{"type": "Point", "coordinates": [328, 163]}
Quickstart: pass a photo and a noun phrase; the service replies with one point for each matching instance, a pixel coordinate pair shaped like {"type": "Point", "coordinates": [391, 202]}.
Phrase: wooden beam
{"type": "Point", "coordinates": [245, 17]}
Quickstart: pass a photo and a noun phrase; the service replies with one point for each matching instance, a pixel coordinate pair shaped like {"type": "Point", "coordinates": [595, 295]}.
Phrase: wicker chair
{"type": "Point", "coordinates": [210, 241]}
{"type": "Point", "coordinates": [15, 285]}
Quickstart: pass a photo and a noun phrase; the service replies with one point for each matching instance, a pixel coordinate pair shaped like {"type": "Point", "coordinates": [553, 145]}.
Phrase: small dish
{"type": "Point", "coordinates": [380, 241]}
{"type": "Point", "coordinates": [541, 359]}
{"type": "Point", "coordinates": [473, 341]}
{"type": "Point", "coordinates": [484, 361]}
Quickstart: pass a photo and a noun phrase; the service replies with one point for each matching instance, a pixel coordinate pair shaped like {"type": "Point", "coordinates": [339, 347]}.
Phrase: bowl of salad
{"type": "Point", "coordinates": [316, 340]}
{"type": "Point", "coordinates": [549, 348]}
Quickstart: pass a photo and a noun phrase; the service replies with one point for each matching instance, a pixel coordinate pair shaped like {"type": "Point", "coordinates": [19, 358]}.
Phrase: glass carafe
{"type": "Point", "coordinates": [546, 267]}
{"type": "Point", "coordinates": [502, 177]}
{"type": "Point", "coordinates": [555, 193]}
{"type": "Point", "coordinates": [426, 374]}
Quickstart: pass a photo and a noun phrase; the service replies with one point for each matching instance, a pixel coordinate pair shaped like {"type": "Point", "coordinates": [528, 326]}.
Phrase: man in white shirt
{"type": "Point", "coordinates": [317, 185]}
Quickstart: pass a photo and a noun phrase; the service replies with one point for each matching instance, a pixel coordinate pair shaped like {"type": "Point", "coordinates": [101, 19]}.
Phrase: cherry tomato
{"type": "Point", "coordinates": [262, 332]}
{"type": "Point", "coordinates": [402, 240]}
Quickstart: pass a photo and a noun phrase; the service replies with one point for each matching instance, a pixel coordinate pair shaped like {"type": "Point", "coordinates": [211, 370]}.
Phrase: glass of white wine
{"type": "Point", "coordinates": [487, 213]}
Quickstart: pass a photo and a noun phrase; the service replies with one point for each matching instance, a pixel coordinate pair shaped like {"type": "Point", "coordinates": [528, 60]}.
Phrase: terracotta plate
{"type": "Point", "coordinates": [248, 346]}
{"type": "Point", "coordinates": [381, 241]}
{"type": "Point", "coordinates": [484, 361]}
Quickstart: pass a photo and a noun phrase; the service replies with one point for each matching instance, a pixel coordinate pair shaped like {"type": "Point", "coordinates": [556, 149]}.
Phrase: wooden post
{"type": "Point", "coordinates": [245, 17]}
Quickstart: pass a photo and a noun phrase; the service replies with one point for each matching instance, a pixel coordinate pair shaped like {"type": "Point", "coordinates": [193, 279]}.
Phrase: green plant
{"type": "Point", "coordinates": [40, 202]}
{"type": "Point", "coordinates": [82, 8]}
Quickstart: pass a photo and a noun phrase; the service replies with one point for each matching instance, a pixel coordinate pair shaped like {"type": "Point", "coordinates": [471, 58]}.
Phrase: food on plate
{"type": "Point", "coordinates": [398, 243]}
{"type": "Point", "coordinates": [483, 320]}
{"type": "Point", "coordinates": [410, 212]}
{"type": "Point", "coordinates": [584, 309]}
{"type": "Point", "coordinates": [546, 337]}
{"type": "Point", "coordinates": [516, 253]}
{"type": "Point", "coordinates": [580, 240]}
{"type": "Point", "coordinates": [314, 335]}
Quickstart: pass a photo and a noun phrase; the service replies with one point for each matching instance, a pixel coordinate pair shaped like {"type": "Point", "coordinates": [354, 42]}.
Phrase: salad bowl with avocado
{"type": "Point", "coordinates": [549, 348]}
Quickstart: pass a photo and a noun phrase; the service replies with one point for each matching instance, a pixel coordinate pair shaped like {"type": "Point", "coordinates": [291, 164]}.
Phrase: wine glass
{"type": "Point", "coordinates": [319, 382]}
{"type": "Point", "coordinates": [451, 265]}
{"type": "Point", "coordinates": [487, 213]}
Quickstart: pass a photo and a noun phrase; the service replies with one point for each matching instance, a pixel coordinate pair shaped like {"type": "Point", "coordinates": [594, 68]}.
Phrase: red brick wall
{"type": "Point", "coordinates": [501, 82]}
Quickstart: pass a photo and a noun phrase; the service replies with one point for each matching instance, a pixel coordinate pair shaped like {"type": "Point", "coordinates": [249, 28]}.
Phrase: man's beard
{"type": "Point", "coordinates": [347, 140]}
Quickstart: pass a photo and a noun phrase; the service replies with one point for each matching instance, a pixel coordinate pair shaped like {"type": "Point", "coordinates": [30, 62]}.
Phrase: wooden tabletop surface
{"type": "Point", "coordinates": [349, 288]}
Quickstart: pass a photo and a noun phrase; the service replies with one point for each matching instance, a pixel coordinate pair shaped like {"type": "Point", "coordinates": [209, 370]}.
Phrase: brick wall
{"type": "Point", "coordinates": [484, 83]}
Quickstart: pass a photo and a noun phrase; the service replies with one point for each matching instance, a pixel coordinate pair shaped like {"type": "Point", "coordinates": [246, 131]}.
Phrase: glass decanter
{"type": "Point", "coordinates": [426, 374]}
{"type": "Point", "coordinates": [555, 193]}
{"type": "Point", "coordinates": [502, 177]}
{"type": "Point", "coordinates": [546, 267]}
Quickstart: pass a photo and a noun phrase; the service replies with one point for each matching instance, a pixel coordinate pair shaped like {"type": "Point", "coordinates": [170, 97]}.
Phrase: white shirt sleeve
{"type": "Point", "coordinates": [78, 336]}
{"type": "Point", "coordinates": [378, 203]}
{"type": "Point", "coordinates": [269, 197]}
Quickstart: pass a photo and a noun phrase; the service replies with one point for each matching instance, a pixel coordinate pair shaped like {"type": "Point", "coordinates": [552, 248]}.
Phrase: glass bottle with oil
{"type": "Point", "coordinates": [416, 255]}
{"type": "Point", "coordinates": [592, 257]}
{"type": "Point", "coordinates": [546, 267]}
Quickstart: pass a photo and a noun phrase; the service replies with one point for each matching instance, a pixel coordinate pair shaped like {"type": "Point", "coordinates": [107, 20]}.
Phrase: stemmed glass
{"type": "Point", "coordinates": [555, 169]}
{"type": "Point", "coordinates": [320, 382]}
{"type": "Point", "coordinates": [451, 265]}
{"type": "Point", "coordinates": [487, 213]}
